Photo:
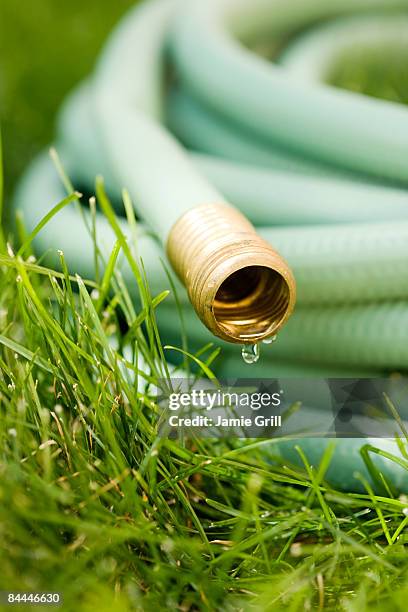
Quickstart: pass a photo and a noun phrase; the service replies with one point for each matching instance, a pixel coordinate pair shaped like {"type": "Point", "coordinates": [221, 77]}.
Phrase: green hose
{"type": "Point", "coordinates": [312, 56]}
{"type": "Point", "coordinates": [268, 196]}
{"type": "Point", "coordinates": [335, 126]}
{"type": "Point", "coordinates": [321, 172]}
{"type": "Point", "coordinates": [342, 263]}
{"type": "Point", "coordinates": [41, 188]}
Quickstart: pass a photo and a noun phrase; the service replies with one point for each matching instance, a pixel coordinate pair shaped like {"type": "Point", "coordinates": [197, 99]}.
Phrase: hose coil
{"type": "Point", "coordinates": [321, 172]}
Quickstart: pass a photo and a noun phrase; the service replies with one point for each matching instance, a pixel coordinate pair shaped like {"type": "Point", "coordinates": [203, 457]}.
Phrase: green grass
{"type": "Point", "coordinates": [45, 48]}
{"type": "Point", "coordinates": [381, 73]}
{"type": "Point", "coordinates": [93, 503]}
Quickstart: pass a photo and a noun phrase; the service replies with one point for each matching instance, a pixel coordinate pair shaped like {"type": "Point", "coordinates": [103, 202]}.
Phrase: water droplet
{"type": "Point", "coordinates": [250, 353]}
{"type": "Point", "coordinates": [269, 340]}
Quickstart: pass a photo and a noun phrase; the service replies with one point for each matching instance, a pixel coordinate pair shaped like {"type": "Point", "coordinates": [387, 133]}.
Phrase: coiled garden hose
{"type": "Point", "coordinates": [319, 171]}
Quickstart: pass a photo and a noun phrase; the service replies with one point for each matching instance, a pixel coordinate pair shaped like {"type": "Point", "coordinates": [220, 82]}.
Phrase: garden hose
{"type": "Point", "coordinates": [314, 55]}
{"type": "Point", "coordinates": [41, 188]}
{"type": "Point", "coordinates": [320, 172]}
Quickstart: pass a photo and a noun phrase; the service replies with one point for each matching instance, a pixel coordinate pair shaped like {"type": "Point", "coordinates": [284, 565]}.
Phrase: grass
{"type": "Point", "coordinates": [381, 73]}
{"type": "Point", "coordinates": [45, 48]}
{"type": "Point", "coordinates": [93, 503]}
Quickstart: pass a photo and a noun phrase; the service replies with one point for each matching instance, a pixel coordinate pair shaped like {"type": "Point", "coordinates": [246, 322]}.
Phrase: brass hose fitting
{"type": "Point", "coordinates": [242, 290]}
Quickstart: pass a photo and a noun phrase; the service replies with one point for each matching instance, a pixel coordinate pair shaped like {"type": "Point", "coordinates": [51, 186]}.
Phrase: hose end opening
{"type": "Point", "coordinates": [252, 303]}
{"type": "Point", "coordinates": [242, 290]}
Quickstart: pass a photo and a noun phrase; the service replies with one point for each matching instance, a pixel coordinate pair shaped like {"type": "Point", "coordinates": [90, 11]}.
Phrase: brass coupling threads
{"type": "Point", "coordinates": [242, 290]}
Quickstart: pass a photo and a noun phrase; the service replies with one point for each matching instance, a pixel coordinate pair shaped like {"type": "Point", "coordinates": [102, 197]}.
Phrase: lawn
{"type": "Point", "coordinates": [45, 48]}
{"type": "Point", "coordinates": [94, 504]}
